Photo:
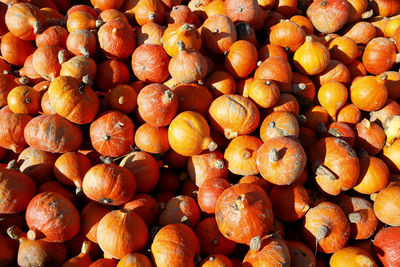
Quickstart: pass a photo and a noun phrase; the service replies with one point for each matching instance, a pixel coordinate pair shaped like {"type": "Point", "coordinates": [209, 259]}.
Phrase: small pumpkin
{"type": "Point", "coordinates": [264, 93]}
{"type": "Point", "coordinates": [208, 193]}
{"type": "Point", "coordinates": [54, 35]}
{"type": "Point", "coordinates": [134, 259]}
{"type": "Point", "coordinates": [78, 67]}
{"type": "Point", "coordinates": [149, 10]}
{"type": "Point", "coordinates": [386, 207]}
{"type": "Point", "coordinates": [370, 137]}
{"type": "Point", "coordinates": [349, 114]}
{"type": "Point", "coordinates": [24, 100]}
{"type": "Point", "coordinates": [279, 123]}
{"type": "Point", "coordinates": [241, 59]}
{"type": "Point", "coordinates": [180, 14]}
{"type": "Point", "coordinates": [82, 42]}
{"type": "Point", "coordinates": [351, 256]}
{"type": "Point", "coordinates": [123, 98]}
{"type": "Point", "coordinates": [83, 20]}
{"type": "Point", "coordinates": [111, 73]}
{"type": "Point", "coordinates": [104, 4]}
{"type": "Point", "coordinates": [152, 139]}
{"type": "Point", "coordinates": [146, 207]}
{"type": "Point", "coordinates": [247, 10]}
{"type": "Point", "coordinates": [385, 7]}
{"type": "Point", "coordinates": [335, 71]}
{"type": "Point", "coordinates": [221, 83]}
{"type": "Point", "coordinates": [287, 34]}
{"type": "Point", "coordinates": [15, 50]}
{"type": "Point", "coordinates": [332, 96]}
{"type": "Point", "coordinates": [149, 33]}
{"type": "Point", "coordinates": [193, 97]}
{"type": "Point", "coordinates": [377, 49]}
{"type": "Point", "coordinates": [180, 209]}
{"type": "Point", "coordinates": [362, 87]}
{"type": "Point", "coordinates": [386, 245]}
{"type": "Point", "coordinates": [185, 32]}
{"type": "Point", "coordinates": [47, 61]}
{"type": "Point", "coordinates": [91, 215]}
{"type": "Point", "coordinates": [391, 156]}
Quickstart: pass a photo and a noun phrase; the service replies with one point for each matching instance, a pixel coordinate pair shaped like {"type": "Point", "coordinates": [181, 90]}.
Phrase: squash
{"type": "Point", "coordinates": [362, 87]}
{"type": "Point", "coordinates": [180, 209]}
{"type": "Point", "coordinates": [386, 207]}
{"type": "Point", "coordinates": [185, 32]}
{"type": "Point", "coordinates": [351, 256]}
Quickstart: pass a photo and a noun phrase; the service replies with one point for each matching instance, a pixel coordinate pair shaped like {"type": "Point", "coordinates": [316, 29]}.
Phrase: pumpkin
{"type": "Point", "coordinates": [91, 215]}
{"type": "Point", "coordinates": [243, 205]}
{"type": "Point", "coordinates": [187, 33]}
{"type": "Point", "coordinates": [241, 59]}
{"type": "Point", "coordinates": [279, 123]}
{"type": "Point", "coordinates": [329, 16]}
{"type": "Point", "coordinates": [340, 130]}
{"type": "Point", "coordinates": [111, 73]}
{"type": "Point", "coordinates": [218, 33]}
{"type": "Point", "coordinates": [52, 15]}
{"type": "Point", "coordinates": [147, 175]}
{"type": "Point", "coordinates": [252, 179]}
{"type": "Point", "coordinates": [9, 250]}
{"type": "Point", "coordinates": [117, 39]}
{"type": "Point", "coordinates": [149, 10]}
{"type": "Point", "coordinates": [7, 83]}
{"type": "Point", "coordinates": [351, 256]}
{"type": "Point", "coordinates": [54, 56]}
{"type": "Point", "coordinates": [326, 227]}
{"type": "Point", "coordinates": [15, 50]}
{"type": "Point", "coordinates": [180, 14]}
{"type": "Point", "coordinates": [386, 207]}
{"type": "Point", "coordinates": [221, 83]}
{"type": "Point", "coordinates": [78, 67]}
{"type": "Point", "coordinates": [57, 187]}
{"type": "Point", "coordinates": [194, 97]}
{"type": "Point", "coordinates": [152, 139]}
{"type": "Point", "coordinates": [335, 71]}
{"type": "Point", "coordinates": [25, 20]}
{"type": "Point", "coordinates": [344, 49]}
{"type": "Point", "coordinates": [104, 263]}
{"type": "Point", "coordinates": [234, 115]}
{"type": "Point", "coordinates": [304, 23]}
{"type": "Point", "coordinates": [189, 134]}
{"type": "Point", "coordinates": [53, 133]}
{"type": "Point", "coordinates": [216, 260]}
{"type": "Point", "coordinates": [29, 71]}
{"type": "Point", "coordinates": [111, 14]}
{"type": "Point", "coordinates": [361, 32]}
{"type": "Point", "coordinates": [145, 206]}
{"type": "Point", "coordinates": [286, 7]}
{"type": "Point", "coordinates": [24, 100]}
{"type": "Point", "coordinates": [112, 133]}
{"type": "Point", "coordinates": [53, 217]}
{"type": "Point", "coordinates": [385, 7]}
{"type": "Point", "coordinates": [17, 190]}
{"type": "Point", "coordinates": [349, 114]}
{"type": "Point", "coordinates": [175, 245]}
{"type": "Point", "coordinates": [188, 65]}
{"type": "Point", "coordinates": [246, 32]}
{"type": "Point", "coordinates": [246, 11]}
{"type": "Point", "coordinates": [73, 99]}
{"type": "Point", "coordinates": [104, 4]}
{"type": "Point", "coordinates": [391, 156]}
{"type": "Point", "coordinates": [83, 258]}
{"type": "Point", "coordinates": [82, 20]}
{"type": "Point", "coordinates": [149, 33]}
{"type": "Point", "coordinates": [82, 42]}
{"type": "Point", "coordinates": [380, 116]}
{"type": "Point", "coordinates": [281, 160]}
{"type": "Point", "coordinates": [208, 193]}
{"type": "Point", "coordinates": [37, 252]}
{"type": "Point", "coordinates": [130, 236]}
{"type": "Point", "coordinates": [264, 93]}
{"type": "Point", "coordinates": [377, 49]}
{"type": "Point", "coordinates": [241, 155]}
{"type": "Point", "coordinates": [54, 35]}
{"type": "Point", "coordinates": [123, 98]}
{"type": "Point", "coordinates": [267, 250]}
{"type": "Point", "coordinates": [109, 184]}
{"type": "Point", "coordinates": [287, 34]}
{"type": "Point", "coordinates": [287, 103]}
{"type": "Point", "coordinates": [180, 209]}
{"type": "Point", "coordinates": [271, 50]}
{"type": "Point", "coordinates": [275, 69]}
{"type": "Point", "coordinates": [332, 96]}
{"type": "Point", "coordinates": [300, 254]}
{"type": "Point", "coordinates": [392, 82]}
{"type": "Point", "coordinates": [386, 245]}
{"type": "Point", "coordinates": [150, 63]}
{"type": "Point", "coordinates": [311, 57]}
{"type": "Point", "coordinates": [135, 259]}
{"type": "Point", "coordinates": [367, 85]}
{"type": "Point", "coordinates": [370, 137]}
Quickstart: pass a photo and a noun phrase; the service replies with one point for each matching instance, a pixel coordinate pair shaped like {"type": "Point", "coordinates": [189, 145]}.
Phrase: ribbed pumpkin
{"type": "Point", "coordinates": [109, 184]}
{"type": "Point", "coordinates": [243, 205]}
{"type": "Point", "coordinates": [53, 217]}
{"type": "Point", "coordinates": [311, 57]}
{"type": "Point", "coordinates": [73, 99]}
{"type": "Point", "coordinates": [234, 115]}
{"type": "Point", "coordinates": [241, 59]}
{"type": "Point", "coordinates": [112, 133]}
{"type": "Point", "coordinates": [281, 160]}
{"type": "Point", "coordinates": [185, 32]}
{"type": "Point", "coordinates": [276, 69]}
{"type": "Point", "coordinates": [150, 63]}
{"type": "Point", "coordinates": [16, 190]}
{"type": "Point", "coordinates": [247, 10]}
{"type": "Point", "coordinates": [25, 20]}
{"type": "Point", "coordinates": [78, 67]}
{"type": "Point", "coordinates": [287, 34]}
{"type": "Point", "coordinates": [117, 39]}
{"type": "Point", "coordinates": [15, 50]}
{"type": "Point", "coordinates": [279, 123]}
{"type": "Point", "coordinates": [377, 49]}
{"type": "Point", "coordinates": [150, 33]}
{"type": "Point", "coordinates": [385, 7]}
{"type": "Point", "coordinates": [363, 87]}
{"type": "Point", "coordinates": [135, 259]}
{"type": "Point", "coordinates": [149, 10]}
{"type": "Point", "coordinates": [189, 134]}
{"type": "Point", "coordinates": [131, 234]}
{"type": "Point", "coordinates": [188, 65]}
{"type": "Point", "coordinates": [53, 133]}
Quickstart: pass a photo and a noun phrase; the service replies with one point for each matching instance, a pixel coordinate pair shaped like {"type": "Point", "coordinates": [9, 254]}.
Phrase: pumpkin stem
{"type": "Point", "coordinates": [322, 232]}
{"type": "Point", "coordinates": [219, 164]}
{"type": "Point", "coordinates": [24, 80]}
{"type": "Point", "coordinates": [308, 38]}
{"type": "Point", "coordinates": [79, 191]}
{"type": "Point", "coordinates": [367, 14]}
{"type": "Point", "coordinates": [212, 146]}
{"type": "Point", "coordinates": [299, 87]}
{"type": "Point", "coordinates": [240, 9]}
{"type": "Point", "coordinates": [273, 155]}
{"type": "Point", "coordinates": [106, 137]}
{"type": "Point", "coordinates": [34, 235]}
{"type": "Point", "coordinates": [324, 171]}
{"type": "Point", "coordinates": [301, 119]}
{"type": "Point", "coordinates": [397, 58]}
{"type": "Point", "coordinates": [246, 154]}
{"type": "Point", "coordinates": [366, 123]}
{"type": "Point", "coordinates": [188, 27]}
{"type": "Point", "coordinates": [181, 45]}
{"type": "Point", "coordinates": [229, 134]}
{"type": "Point", "coordinates": [5, 72]}
{"type": "Point", "coordinates": [169, 94]}
{"type": "Point", "coordinates": [267, 82]}
{"type": "Point", "coordinates": [12, 165]}
{"type": "Point", "coordinates": [99, 23]}
{"type": "Point", "coordinates": [152, 16]}
{"type": "Point", "coordinates": [37, 27]}
{"type": "Point", "coordinates": [373, 196]}
{"type": "Point", "coordinates": [259, 63]}
{"type": "Point", "coordinates": [211, 258]}
{"type": "Point", "coordinates": [121, 100]}
{"type": "Point", "coordinates": [85, 247]}
{"type": "Point", "coordinates": [28, 100]}
{"type": "Point", "coordinates": [355, 217]}
{"type": "Point", "coordinates": [255, 243]}
{"type": "Point", "coordinates": [185, 220]}
{"type": "Point", "coordinates": [216, 30]}
{"type": "Point", "coordinates": [61, 56]}
{"type": "Point", "coordinates": [335, 133]}
{"type": "Point", "coordinates": [14, 232]}
{"type": "Point", "coordinates": [106, 200]}
{"type": "Point", "coordinates": [323, 3]}
{"type": "Point", "coordinates": [239, 202]}
{"type": "Point", "coordinates": [384, 75]}
{"type": "Point", "coordinates": [271, 125]}
{"type": "Point", "coordinates": [84, 51]}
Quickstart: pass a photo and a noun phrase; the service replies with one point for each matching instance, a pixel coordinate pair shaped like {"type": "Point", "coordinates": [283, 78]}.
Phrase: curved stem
{"type": "Point", "coordinates": [255, 243]}
{"type": "Point", "coordinates": [273, 155]}
{"type": "Point", "coordinates": [324, 171]}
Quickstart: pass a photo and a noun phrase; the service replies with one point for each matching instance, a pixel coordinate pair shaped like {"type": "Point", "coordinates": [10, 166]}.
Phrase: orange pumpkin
{"type": "Point", "coordinates": [78, 67]}
{"type": "Point", "coordinates": [54, 56]}
{"type": "Point", "coordinates": [187, 33]}
{"type": "Point", "coordinates": [276, 69]}
{"type": "Point", "coordinates": [82, 20]}
{"type": "Point", "coordinates": [145, 206]}
{"type": "Point", "coordinates": [15, 50]}
{"type": "Point", "coordinates": [180, 14]}
{"type": "Point", "coordinates": [391, 156]}
{"type": "Point", "coordinates": [332, 96]}
{"type": "Point", "coordinates": [149, 33]}
{"type": "Point", "coordinates": [279, 123]}
{"type": "Point", "coordinates": [111, 14]}
{"type": "Point", "coordinates": [183, 209]}
{"type": "Point", "coordinates": [304, 23]}
{"type": "Point", "coordinates": [264, 93]}
{"type": "Point", "coordinates": [247, 10]}
{"type": "Point", "coordinates": [287, 34]}
{"type": "Point", "coordinates": [123, 98]}
{"type": "Point", "coordinates": [370, 137]}
{"type": "Point", "coordinates": [82, 42]}
{"type": "Point", "coordinates": [135, 259]}
{"type": "Point", "coordinates": [54, 35]}
{"type": "Point", "coordinates": [377, 49]}
{"type": "Point", "coordinates": [349, 114]}
{"type": "Point", "coordinates": [24, 99]}
{"type": "Point", "coordinates": [194, 97]}
{"type": "Point", "coordinates": [221, 83]}
{"type": "Point", "coordinates": [241, 59]}
{"type": "Point", "coordinates": [104, 4]}
{"type": "Point", "coordinates": [363, 87]}
{"type": "Point", "coordinates": [148, 11]}
{"type": "Point", "coordinates": [111, 73]}
{"type": "Point", "coordinates": [335, 71]}
{"type": "Point", "coordinates": [351, 256]}
{"type": "Point", "coordinates": [386, 207]}
{"type": "Point", "coordinates": [271, 50]}
{"type": "Point", "coordinates": [267, 250]}
{"type": "Point", "coordinates": [152, 139]}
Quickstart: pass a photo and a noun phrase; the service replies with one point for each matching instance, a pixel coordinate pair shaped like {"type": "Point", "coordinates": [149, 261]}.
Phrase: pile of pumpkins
{"type": "Point", "coordinates": [200, 133]}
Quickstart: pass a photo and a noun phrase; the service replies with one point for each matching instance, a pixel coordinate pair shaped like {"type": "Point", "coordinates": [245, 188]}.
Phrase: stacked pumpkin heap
{"type": "Point", "coordinates": [202, 133]}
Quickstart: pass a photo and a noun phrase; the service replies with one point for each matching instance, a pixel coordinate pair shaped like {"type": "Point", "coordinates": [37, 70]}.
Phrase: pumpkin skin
{"type": "Point", "coordinates": [82, 20]}
{"type": "Point", "coordinates": [109, 184]}
{"type": "Point", "coordinates": [111, 14]}
{"type": "Point", "coordinates": [188, 65]}
{"type": "Point", "coordinates": [241, 59]}
{"type": "Point", "coordinates": [194, 97]}
{"type": "Point", "coordinates": [300, 254]}
{"type": "Point", "coordinates": [362, 87]}
{"type": "Point", "coordinates": [351, 256]}
{"type": "Point", "coordinates": [189, 134]}
{"type": "Point", "coordinates": [386, 207]}
{"type": "Point", "coordinates": [112, 133]}
{"type": "Point", "coordinates": [332, 96]}
{"type": "Point", "coordinates": [145, 169]}
{"type": "Point", "coordinates": [329, 16]}
{"type": "Point", "coordinates": [385, 8]}
{"type": "Point", "coordinates": [78, 67]}
{"type": "Point", "coordinates": [130, 236]}
{"type": "Point", "coordinates": [16, 190]}
{"type": "Point", "coordinates": [243, 204]}
{"type": "Point", "coordinates": [149, 10]}
{"type": "Point", "coordinates": [7, 83]}
{"type": "Point", "coordinates": [221, 83]}
{"type": "Point", "coordinates": [380, 116]}
{"type": "Point", "coordinates": [25, 20]}
{"type": "Point", "coordinates": [311, 57]}
{"type": "Point", "coordinates": [287, 34]}
{"type": "Point", "coordinates": [218, 33]}
{"type": "Point", "coordinates": [246, 11]}
{"type": "Point", "coordinates": [326, 227]}
{"type": "Point", "coordinates": [377, 49]}
{"type": "Point", "coordinates": [9, 250]}
{"type": "Point", "coordinates": [241, 155]}
{"type": "Point", "coordinates": [276, 69]}
{"type": "Point", "coordinates": [330, 160]}
{"type": "Point", "coordinates": [111, 73]}
{"type": "Point", "coordinates": [226, 115]}
{"type": "Point", "coordinates": [386, 245]}
{"type": "Point", "coordinates": [52, 216]}
{"type": "Point", "coordinates": [362, 32]}
{"type": "Point", "coordinates": [81, 42]}
{"type": "Point", "coordinates": [374, 175]}
{"type": "Point", "coordinates": [370, 137]}
{"type": "Point", "coordinates": [340, 130]}
{"type": "Point", "coordinates": [216, 260]}
{"type": "Point", "coordinates": [180, 14]}
{"type": "Point", "coordinates": [208, 193]}
{"type": "Point", "coordinates": [91, 215]}
{"type": "Point", "coordinates": [281, 160]}
{"type": "Point", "coordinates": [180, 209]}
{"type": "Point", "coordinates": [335, 71]}
{"type": "Point", "coordinates": [149, 33]}
{"type": "Point", "coordinates": [146, 207]}
{"type": "Point", "coordinates": [24, 99]}
{"type": "Point", "coordinates": [150, 63]}
{"type": "Point", "coordinates": [175, 245]}
{"type": "Point", "coordinates": [29, 71]}
{"type": "Point", "coordinates": [54, 56]}
{"type": "Point", "coordinates": [187, 33]}
{"type": "Point", "coordinates": [104, 4]}
{"type": "Point", "coordinates": [73, 99]}
{"type": "Point", "coordinates": [349, 114]}
{"type": "Point", "coordinates": [104, 263]}
{"type": "Point", "coordinates": [271, 50]}
{"type": "Point", "coordinates": [117, 39]}
{"type": "Point", "coordinates": [53, 133]}
{"type": "Point", "coordinates": [15, 50]}
{"type": "Point", "coordinates": [279, 123]}
{"type": "Point", "coordinates": [54, 35]}
{"type": "Point", "coordinates": [344, 49]}
{"type": "Point", "coordinates": [152, 139]}
{"type": "Point", "coordinates": [391, 156]}
{"type": "Point", "coordinates": [264, 93]}
{"type": "Point", "coordinates": [392, 84]}
{"type": "Point", "coordinates": [135, 260]}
